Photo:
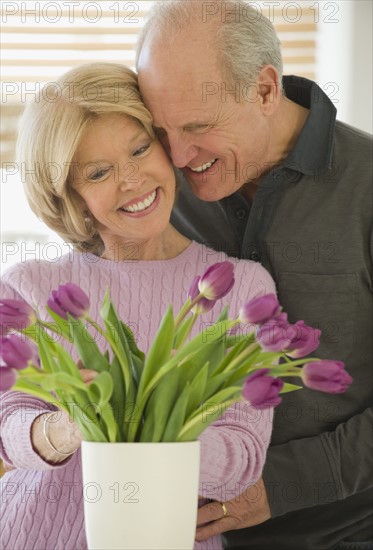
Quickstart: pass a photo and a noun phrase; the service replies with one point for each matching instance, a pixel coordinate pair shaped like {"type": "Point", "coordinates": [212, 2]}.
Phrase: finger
{"type": "Point", "coordinates": [210, 512]}
{"type": "Point", "coordinates": [215, 528]}
{"type": "Point", "coordinates": [80, 364]}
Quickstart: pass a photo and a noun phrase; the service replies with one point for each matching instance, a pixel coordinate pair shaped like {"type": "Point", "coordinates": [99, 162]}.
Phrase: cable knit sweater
{"type": "Point", "coordinates": [42, 504]}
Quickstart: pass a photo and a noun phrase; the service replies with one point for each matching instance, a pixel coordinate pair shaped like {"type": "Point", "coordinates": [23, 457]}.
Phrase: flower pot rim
{"type": "Point", "coordinates": [140, 442]}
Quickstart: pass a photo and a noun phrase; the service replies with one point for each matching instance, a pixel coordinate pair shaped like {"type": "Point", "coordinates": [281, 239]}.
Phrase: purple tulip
{"type": "Point", "coordinates": [260, 310]}
{"type": "Point", "coordinates": [69, 299]}
{"type": "Point", "coordinates": [203, 305]}
{"type": "Point", "coordinates": [326, 375]}
{"type": "Point", "coordinates": [217, 280]}
{"type": "Point", "coordinates": [7, 378]}
{"type": "Point", "coordinates": [17, 352]}
{"type": "Point", "coordinates": [276, 334]}
{"type": "Point", "coordinates": [262, 391]}
{"type": "Point", "coordinates": [306, 340]}
{"type": "Point", "coordinates": [15, 314]}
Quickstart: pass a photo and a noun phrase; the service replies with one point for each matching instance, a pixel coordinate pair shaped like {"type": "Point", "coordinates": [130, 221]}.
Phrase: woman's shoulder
{"type": "Point", "coordinates": [25, 275]}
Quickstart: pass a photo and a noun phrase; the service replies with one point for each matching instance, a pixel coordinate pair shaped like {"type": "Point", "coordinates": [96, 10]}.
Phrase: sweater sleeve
{"type": "Point", "coordinates": [17, 413]}
{"type": "Point", "coordinates": [233, 450]}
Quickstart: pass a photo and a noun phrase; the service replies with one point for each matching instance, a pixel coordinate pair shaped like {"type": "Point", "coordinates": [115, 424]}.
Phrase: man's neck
{"type": "Point", "coordinates": [288, 124]}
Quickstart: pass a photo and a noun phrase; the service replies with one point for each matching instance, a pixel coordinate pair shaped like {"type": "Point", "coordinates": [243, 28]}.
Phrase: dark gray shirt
{"type": "Point", "coordinates": [310, 225]}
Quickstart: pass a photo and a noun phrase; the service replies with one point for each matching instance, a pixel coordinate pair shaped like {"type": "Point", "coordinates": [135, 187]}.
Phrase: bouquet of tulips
{"type": "Point", "coordinates": [161, 396]}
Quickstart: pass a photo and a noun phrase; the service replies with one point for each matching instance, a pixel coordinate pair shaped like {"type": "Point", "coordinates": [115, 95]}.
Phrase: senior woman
{"type": "Point", "coordinates": [96, 174]}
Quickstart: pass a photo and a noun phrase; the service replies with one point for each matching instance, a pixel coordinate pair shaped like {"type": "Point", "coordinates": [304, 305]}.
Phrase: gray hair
{"type": "Point", "coordinates": [245, 40]}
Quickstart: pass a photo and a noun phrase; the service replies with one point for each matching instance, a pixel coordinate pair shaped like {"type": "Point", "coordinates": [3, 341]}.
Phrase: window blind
{"type": "Point", "coordinates": [42, 40]}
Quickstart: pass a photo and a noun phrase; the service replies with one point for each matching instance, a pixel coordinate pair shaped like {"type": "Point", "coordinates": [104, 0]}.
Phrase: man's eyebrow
{"type": "Point", "coordinates": [189, 127]}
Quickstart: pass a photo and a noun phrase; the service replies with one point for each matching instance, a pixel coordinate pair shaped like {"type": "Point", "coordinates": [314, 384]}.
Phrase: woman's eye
{"type": "Point", "coordinates": [99, 174]}
{"type": "Point", "coordinates": [141, 149]}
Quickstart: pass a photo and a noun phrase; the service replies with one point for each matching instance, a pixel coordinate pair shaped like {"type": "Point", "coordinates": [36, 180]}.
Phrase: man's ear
{"type": "Point", "coordinates": [269, 89]}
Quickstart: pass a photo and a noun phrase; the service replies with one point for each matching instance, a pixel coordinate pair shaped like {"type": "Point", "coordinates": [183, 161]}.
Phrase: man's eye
{"type": "Point", "coordinates": [199, 128]}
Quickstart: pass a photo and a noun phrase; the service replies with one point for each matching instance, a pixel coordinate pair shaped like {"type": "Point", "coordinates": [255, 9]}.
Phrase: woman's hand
{"type": "Point", "coordinates": [54, 435]}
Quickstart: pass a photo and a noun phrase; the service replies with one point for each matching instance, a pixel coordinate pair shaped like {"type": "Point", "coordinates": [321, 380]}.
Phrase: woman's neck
{"type": "Point", "coordinates": [164, 247]}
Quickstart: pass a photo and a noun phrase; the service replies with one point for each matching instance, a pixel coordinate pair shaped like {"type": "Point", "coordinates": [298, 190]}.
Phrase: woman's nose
{"type": "Point", "coordinates": [130, 176]}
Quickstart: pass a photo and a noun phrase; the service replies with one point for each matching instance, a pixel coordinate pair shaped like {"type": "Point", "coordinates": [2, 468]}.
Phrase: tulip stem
{"type": "Point", "coordinates": [97, 327]}
{"type": "Point", "coordinates": [303, 361]}
{"type": "Point", "coordinates": [243, 355]}
{"type": "Point", "coordinates": [187, 307]}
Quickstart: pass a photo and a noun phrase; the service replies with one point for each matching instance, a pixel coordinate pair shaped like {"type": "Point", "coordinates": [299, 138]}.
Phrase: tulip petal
{"type": "Point", "coordinates": [8, 378]}
{"type": "Point", "coordinates": [327, 376]}
{"type": "Point", "coordinates": [260, 310]}
{"type": "Point", "coordinates": [217, 280]}
{"type": "Point", "coordinates": [262, 391]}
{"type": "Point", "coordinates": [69, 299]}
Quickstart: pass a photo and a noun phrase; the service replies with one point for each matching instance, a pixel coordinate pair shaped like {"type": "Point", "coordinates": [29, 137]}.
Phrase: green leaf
{"type": "Point", "coordinates": [32, 388]}
{"type": "Point", "coordinates": [60, 380]}
{"type": "Point", "coordinates": [160, 350]}
{"type": "Point", "coordinates": [105, 306]}
{"type": "Point", "coordinates": [223, 314]}
{"type": "Point", "coordinates": [66, 362]}
{"type": "Point", "coordinates": [159, 407]}
{"type": "Point", "coordinates": [119, 336]}
{"type": "Point", "coordinates": [192, 349]}
{"type": "Point", "coordinates": [235, 339]}
{"type": "Point", "coordinates": [131, 340]}
{"type": "Point", "coordinates": [46, 349]}
{"type": "Point", "coordinates": [87, 348]}
{"type": "Point", "coordinates": [215, 384]}
{"type": "Point", "coordinates": [183, 331]}
{"type": "Point", "coordinates": [101, 389]}
{"type": "Point", "coordinates": [230, 356]}
{"type": "Point", "coordinates": [138, 367]}
{"type": "Point", "coordinates": [208, 412]}
{"type": "Point", "coordinates": [90, 429]}
{"type": "Point", "coordinates": [177, 416]}
{"type": "Point", "coordinates": [118, 396]}
{"type": "Point", "coordinates": [290, 387]}
{"type": "Point", "coordinates": [62, 326]}
{"type": "Point", "coordinates": [111, 426]}
{"type": "Point", "coordinates": [197, 389]}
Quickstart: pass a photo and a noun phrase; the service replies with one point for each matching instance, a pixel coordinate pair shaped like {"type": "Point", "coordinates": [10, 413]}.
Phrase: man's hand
{"type": "Point", "coordinates": [248, 509]}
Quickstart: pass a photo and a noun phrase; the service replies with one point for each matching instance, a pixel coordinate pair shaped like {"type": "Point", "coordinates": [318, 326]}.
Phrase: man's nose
{"type": "Point", "coordinates": [181, 150]}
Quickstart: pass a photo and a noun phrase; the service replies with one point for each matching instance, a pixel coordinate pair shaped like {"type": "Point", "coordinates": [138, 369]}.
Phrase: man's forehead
{"type": "Point", "coordinates": [184, 66]}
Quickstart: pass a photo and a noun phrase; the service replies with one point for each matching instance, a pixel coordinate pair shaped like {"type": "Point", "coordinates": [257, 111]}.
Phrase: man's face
{"type": "Point", "coordinates": [214, 132]}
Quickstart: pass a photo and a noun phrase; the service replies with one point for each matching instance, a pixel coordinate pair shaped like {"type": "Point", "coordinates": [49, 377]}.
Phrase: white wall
{"type": "Point", "coordinates": [345, 62]}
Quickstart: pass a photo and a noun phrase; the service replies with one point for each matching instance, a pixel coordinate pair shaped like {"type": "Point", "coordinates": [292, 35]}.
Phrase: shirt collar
{"type": "Point", "coordinates": [313, 149]}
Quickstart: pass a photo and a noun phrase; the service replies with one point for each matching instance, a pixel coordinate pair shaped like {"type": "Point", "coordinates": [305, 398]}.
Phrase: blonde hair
{"type": "Point", "coordinates": [50, 131]}
{"type": "Point", "coordinates": [245, 40]}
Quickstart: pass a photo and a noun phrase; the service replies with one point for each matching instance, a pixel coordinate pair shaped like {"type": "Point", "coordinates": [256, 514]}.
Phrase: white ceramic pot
{"type": "Point", "coordinates": [140, 496]}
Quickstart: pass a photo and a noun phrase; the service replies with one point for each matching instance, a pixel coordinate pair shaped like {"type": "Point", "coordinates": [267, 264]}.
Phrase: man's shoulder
{"type": "Point", "coordinates": [351, 139]}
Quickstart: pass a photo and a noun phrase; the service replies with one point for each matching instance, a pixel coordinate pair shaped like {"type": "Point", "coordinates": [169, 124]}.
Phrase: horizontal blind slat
{"type": "Point", "coordinates": [109, 39]}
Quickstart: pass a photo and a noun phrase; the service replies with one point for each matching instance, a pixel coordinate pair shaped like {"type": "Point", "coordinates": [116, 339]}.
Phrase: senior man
{"type": "Point", "coordinates": [269, 175]}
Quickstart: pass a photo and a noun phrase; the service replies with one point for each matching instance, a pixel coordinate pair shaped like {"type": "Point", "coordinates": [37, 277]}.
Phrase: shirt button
{"type": "Point", "coordinates": [255, 256]}
{"type": "Point", "coordinates": [240, 213]}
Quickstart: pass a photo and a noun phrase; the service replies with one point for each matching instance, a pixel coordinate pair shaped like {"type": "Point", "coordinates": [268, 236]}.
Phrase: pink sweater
{"type": "Point", "coordinates": [42, 504]}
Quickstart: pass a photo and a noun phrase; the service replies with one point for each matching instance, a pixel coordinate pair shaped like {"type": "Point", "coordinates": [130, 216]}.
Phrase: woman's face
{"type": "Point", "coordinates": [125, 180]}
